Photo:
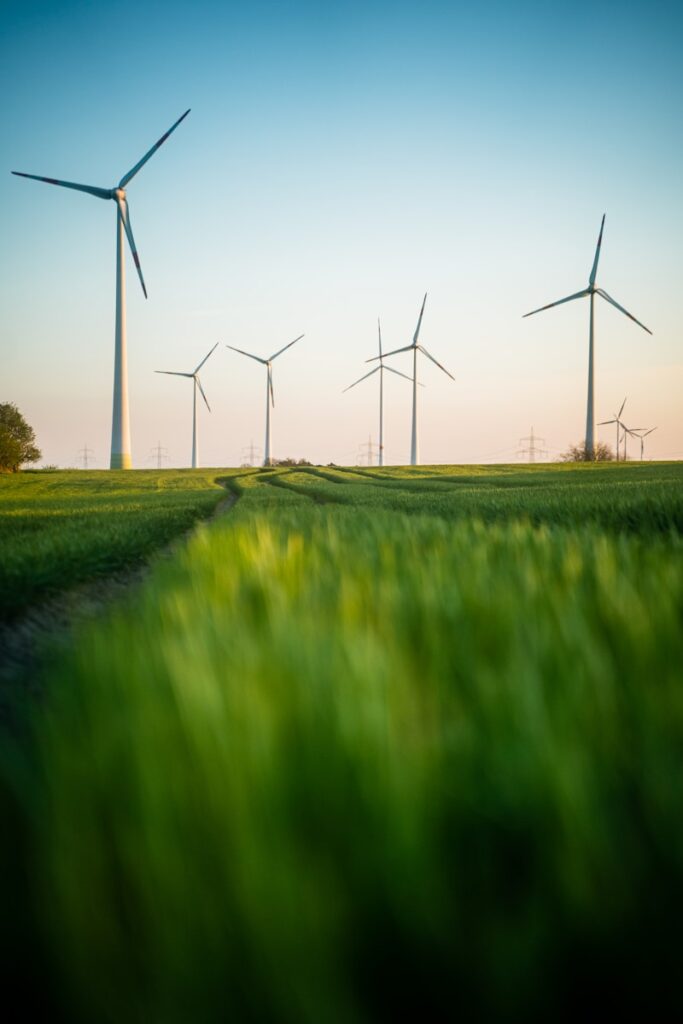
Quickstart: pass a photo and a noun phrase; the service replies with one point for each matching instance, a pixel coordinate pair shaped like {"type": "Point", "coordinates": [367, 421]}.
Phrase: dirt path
{"type": "Point", "coordinates": [46, 629]}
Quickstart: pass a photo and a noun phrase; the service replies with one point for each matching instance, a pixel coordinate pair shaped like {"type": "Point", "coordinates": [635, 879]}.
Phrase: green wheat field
{"type": "Point", "coordinates": [367, 744]}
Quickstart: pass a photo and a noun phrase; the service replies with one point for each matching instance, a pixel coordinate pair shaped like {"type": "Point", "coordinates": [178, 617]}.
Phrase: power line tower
{"type": "Point", "coordinates": [367, 453]}
{"type": "Point", "coordinates": [159, 453]}
{"type": "Point", "coordinates": [84, 454]}
{"type": "Point", "coordinates": [251, 454]}
{"type": "Point", "coordinates": [529, 446]}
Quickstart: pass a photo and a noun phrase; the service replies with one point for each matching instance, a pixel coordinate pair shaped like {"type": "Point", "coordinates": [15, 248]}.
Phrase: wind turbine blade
{"type": "Point", "coordinates": [621, 309]}
{"type": "Point", "coordinates": [407, 348]}
{"type": "Point", "coordinates": [426, 353]}
{"type": "Point", "coordinates": [419, 321]}
{"type": "Point", "coordinates": [270, 387]}
{"type": "Point", "coordinates": [199, 385]}
{"type": "Point", "coordinates": [379, 332]}
{"type": "Point", "coordinates": [205, 358]}
{"type": "Point", "coordinates": [251, 356]}
{"type": "Point", "coordinates": [399, 374]}
{"type": "Point", "coordinates": [131, 174]}
{"type": "Point", "coordinates": [570, 298]}
{"type": "Point", "coordinates": [597, 254]}
{"type": "Point", "coordinates": [174, 373]}
{"type": "Point", "coordinates": [606, 423]}
{"type": "Point", "coordinates": [364, 377]}
{"type": "Point", "coordinates": [125, 217]}
{"type": "Point", "coordinates": [285, 348]}
{"type": "Point", "coordinates": [622, 408]}
{"type": "Point", "coordinates": [101, 193]}
{"type": "Point", "coordinates": [649, 431]}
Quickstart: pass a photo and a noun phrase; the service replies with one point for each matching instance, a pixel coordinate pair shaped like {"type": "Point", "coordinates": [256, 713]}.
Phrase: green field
{"type": "Point", "coordinates": [61, 528]}
{"type": "Point", "coordinates": [373, 744]}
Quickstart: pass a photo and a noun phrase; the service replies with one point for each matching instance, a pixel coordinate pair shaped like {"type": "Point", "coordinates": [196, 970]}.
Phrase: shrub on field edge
{"type": "Point", "coordinates": [288, 462]}
{"type": "Point", "coordinates": [577, 453]}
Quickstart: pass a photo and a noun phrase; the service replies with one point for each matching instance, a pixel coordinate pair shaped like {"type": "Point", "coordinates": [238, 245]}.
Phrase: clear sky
{"type": "Point", "coordinates": [340, 160]}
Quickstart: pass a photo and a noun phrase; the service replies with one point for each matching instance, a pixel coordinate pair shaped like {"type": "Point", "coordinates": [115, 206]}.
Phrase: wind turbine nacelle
{"type": "Point", "coordinates": [118, 193]}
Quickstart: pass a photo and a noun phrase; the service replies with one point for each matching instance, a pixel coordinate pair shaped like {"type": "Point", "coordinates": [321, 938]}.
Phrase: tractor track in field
{"type": "Point", "coordinates": [45, 629]}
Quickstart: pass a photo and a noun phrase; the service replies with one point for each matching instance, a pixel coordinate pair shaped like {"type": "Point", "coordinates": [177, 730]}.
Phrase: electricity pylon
{"type": "Point", "coordinates": [529, 446]}
{"type": "Point", "coordinates": [84, 454]}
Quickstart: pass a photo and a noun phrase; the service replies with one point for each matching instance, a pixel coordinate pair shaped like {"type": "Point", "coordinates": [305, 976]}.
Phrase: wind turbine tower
{"type": "Point", "coordinates": [414, 348]}
{"type": "Point", "coordinates": [379, 369]}
{"type": "Point", "coordinates": [194, 376]}
{"type": "Point", "coordinates": [270, 397]}
{"type": "Point", "coordinates": [120, 428]}
{"type": "Point", "coordinates": [592, 290]}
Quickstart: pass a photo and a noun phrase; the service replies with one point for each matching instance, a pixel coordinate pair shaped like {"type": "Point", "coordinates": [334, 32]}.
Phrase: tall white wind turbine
{"type": "Point", "coordinates": [379, 369]}
{"type": "Point", "coordinates": [270, 396]}
{"type": "Point", "coordinates": [414, 348]}
{"type": "Point", "coordinates": [592, 291]}
{"type": "Point", "coordinates": [196, 383]}
{"type": "Point", "coordinates": [120, 427]}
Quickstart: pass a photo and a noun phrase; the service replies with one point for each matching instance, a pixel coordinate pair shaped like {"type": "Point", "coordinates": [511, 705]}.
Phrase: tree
{"type": "Point", "coordinates": [17, 440]}
{"type": "Point", "coordinates": [577, 453]}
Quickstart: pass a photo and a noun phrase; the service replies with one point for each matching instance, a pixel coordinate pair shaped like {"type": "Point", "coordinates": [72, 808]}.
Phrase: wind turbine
{"type": "Point", "coordinates": [632, 432]}
{"type": "Point", "coordinates": [414, 348]}
{"type": "Point", "coordinates": [617, 420]}
{"type": "Point", "coordinates": [270, 397]}
{"type": "Point", "coordinates": [196, 383]}
{"type": "Point", "coordinates": [120, 428]}
{"type": "Point", "coordinates": [592, 290]}
{"type": "Point", "coordinates": [641, 435]}
{"type": "Point", "coordinates": [379, 369]}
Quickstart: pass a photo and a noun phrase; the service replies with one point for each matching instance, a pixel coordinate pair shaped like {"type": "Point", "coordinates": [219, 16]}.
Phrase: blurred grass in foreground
{"type": "Point", "coordinates": [344, 764]}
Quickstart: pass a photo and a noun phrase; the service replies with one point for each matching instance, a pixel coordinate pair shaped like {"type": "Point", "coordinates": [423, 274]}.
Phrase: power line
{"type": "Point", "coordinates": [160, 453]}
{"type": "Point", "coordinates": [529, 446]}
{"type": "Point", "coordinates": [84, 453]}
{"type": "Point", "coordinates": [251, 453]}
{"type": "Point", "coordinates": [367, 453]}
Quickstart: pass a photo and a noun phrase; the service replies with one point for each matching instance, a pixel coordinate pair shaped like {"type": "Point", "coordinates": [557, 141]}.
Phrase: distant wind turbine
{"type": "Point", "coordinates": [379, 369]}
{"type": "Point", "coordinates": [617, 420]}
{"type": "Point", "coordinates": [592, 290]}
{"type": "Point", "coordinates": [414, 348]}
{"type": "Point", "coordinates": [641, 435]}
{"type": "Point", "coordinates": [270, 397]}
{"type": "Point", "coordinates": [196, 383]}
{"type": "Point", "coordinates": [632, 432]}
{"type": "Point", "coordinates": [120, 429]}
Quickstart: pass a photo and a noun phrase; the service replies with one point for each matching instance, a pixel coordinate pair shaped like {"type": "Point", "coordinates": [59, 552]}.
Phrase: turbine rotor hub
{"type": "Point", "coordinates": [118, 193]}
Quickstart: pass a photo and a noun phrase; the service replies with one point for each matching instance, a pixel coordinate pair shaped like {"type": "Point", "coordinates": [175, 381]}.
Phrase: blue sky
{"type": "Point", "coordinates": [340, 160]}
